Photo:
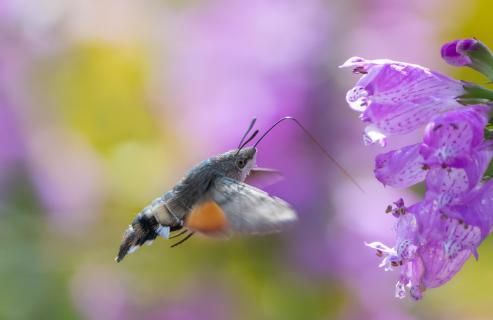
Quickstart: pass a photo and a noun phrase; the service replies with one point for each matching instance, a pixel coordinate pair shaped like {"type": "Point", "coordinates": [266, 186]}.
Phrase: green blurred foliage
{"type": "Point", "coordinates": [32, 287]}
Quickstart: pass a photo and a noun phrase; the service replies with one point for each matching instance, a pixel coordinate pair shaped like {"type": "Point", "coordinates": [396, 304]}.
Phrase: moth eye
{"type": "Point", "coordinates": [241, 163]}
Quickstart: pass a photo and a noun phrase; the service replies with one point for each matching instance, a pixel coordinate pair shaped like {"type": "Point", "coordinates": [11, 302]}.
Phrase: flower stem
{"type": "Point", "coordinates": [475, 94]}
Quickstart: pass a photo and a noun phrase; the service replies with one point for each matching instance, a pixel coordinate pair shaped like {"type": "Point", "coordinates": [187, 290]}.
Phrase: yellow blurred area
{"type": "Point", "coordinates": [100, 89]}
{"type": "Point", "coordinates": [474, 27]}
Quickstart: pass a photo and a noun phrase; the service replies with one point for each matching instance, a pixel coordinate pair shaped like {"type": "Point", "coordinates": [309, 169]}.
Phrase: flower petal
{"type": "Point", "coordinates": [361, 65]}
{"type": "Point", "coordinates": [432, 246]}
{"type": "Point", "coordinates": [449, 138]}
{"type": "Point", "coordinates": [404, 97]}
{"type": "Point", "coordinates": [445, 258]}
{"type": "Point", "coordinates": [400, 168]}
{"type": "Point", "coordinates": [469, 52]}
{"type": "Point", "coordinates": [439, 268]}
{"type": "Point", "coordinates": [373, 134]}
{"type": "Point", "coordinates": [400, 290]}
{"type": "Point", "coordinates": [453, 56]}
{"type": "Point", "coordinates": [447, 183]}
{"type": "Point", "coordinates": [476, 208]}
{"type": "Point", "coordinates": [477, 165]}
{"type": "Point", "coordinates": [398, 97]}
{"type": "Point", "coordinates": [380, 247]}
{"type": "Point", "coordinates": [357, 98]}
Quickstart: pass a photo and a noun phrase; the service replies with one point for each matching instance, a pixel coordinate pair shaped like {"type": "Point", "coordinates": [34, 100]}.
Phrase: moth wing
{"type": "Point", "coordinates": [247, 210]}
{"type": "Point", "coordinates": [262, 177]}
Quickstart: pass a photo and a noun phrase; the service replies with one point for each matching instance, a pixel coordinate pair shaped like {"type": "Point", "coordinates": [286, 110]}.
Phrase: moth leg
{"type": "Point", "coordinates": [183, 240]}
{"type": "Point", "coordinates": [179, 234]}
{"type": "Point", "coordinates": [176, 227]}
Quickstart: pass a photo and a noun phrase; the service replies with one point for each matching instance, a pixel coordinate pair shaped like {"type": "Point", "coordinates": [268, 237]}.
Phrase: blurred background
{"type": "Point", "coordinates": [105, 104]}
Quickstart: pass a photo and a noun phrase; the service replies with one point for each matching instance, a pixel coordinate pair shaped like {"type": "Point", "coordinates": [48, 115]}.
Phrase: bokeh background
{"type": "Point", "coordinates": [105, 104]}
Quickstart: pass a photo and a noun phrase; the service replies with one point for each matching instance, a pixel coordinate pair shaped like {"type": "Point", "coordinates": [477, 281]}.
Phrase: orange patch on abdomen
{"type": "Point", "coordinates": [207, 218]}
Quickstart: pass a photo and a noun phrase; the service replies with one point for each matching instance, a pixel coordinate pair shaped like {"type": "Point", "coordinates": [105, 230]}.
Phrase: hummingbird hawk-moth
{"type": "Point", "coordinates": [213, 199]}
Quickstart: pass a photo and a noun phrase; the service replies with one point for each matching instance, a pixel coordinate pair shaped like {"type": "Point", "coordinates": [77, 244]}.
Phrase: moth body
{"type": "Point", "coordinates": [202, 184]}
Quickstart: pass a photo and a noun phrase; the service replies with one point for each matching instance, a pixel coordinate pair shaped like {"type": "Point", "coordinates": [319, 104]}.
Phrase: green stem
{"type": "Point", "coordinates": [475, 94]}
{"type": "Point", "coordinates": [482, 59]}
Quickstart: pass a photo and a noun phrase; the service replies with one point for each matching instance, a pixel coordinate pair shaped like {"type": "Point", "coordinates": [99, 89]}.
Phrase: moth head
{"type": "Point", "coordinates": [238, 163]}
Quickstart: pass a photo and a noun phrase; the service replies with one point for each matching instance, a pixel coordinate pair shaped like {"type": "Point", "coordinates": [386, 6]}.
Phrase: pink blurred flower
{"type": "Point", "coordinates": [62, 167]}
{"type": "Point", "coordinates": [99, 294]}
{"type": "Point", "coordinates": [238, 59]}
{"type": "Point", "coordinates": [69, 179]}
{"type": "Point", "coordinates": [203, 301]}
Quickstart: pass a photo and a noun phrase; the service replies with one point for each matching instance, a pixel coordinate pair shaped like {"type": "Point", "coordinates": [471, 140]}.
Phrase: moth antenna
{"type": "Point", "coordinates": [315, 141]}
{"type": "Point", "coordinates": [254, 134]}
{"type": "Point", "coordinates": [252, 123]}
{"type": "Point", "coordinates": [183, 240]}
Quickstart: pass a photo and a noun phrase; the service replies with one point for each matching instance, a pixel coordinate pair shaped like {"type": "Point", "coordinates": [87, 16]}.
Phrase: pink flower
{"type": "Point", "coordinates": [397, 98]}
{"type": "Point", "coordinates": [437, 235]}
{"type": "Point", "coordinates": [471, 53]}
{"type": "Point", "coordinates": [434, 242]}
{"type": "Point", "coordinates": [452, 157]}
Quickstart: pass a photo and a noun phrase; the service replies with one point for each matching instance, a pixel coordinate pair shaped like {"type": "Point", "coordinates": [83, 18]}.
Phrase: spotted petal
{"type": "Point", "coordinates": [449, 242]}
{"type": "Point", "coordinates": [440, 267]}
{"type": "Point", "coordinates": [399, 97]}
{"type": "Point", "coordinates": [400, 168]}
{"type": "Point", "coordinates": [450, 138]}
{"type": "Point", "coordinates": [476, 208]}
{"type": "Point", "coordinates": [449, 183]}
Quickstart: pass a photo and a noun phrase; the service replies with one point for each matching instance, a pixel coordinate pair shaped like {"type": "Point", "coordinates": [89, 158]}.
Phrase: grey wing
{"type": "Point", "coordinates": [262, 177]}
{"type": "Point", "coordinates": [249, 210]}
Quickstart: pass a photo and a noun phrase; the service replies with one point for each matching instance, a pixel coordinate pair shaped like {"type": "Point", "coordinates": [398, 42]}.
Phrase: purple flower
{"type": "Point", "coordinates": [397, 97]}
{"type": "Point", "coordinates": [400, 168]}
{"type": "Point", "coordinates": [471, 53]}
{"type": "Point", "coordinates": [452, 156]}
{"type": "Point", "coordinates": [455, 151]}
{"type": "Point", "coordinates": [435, 236]}
{"type": "Point", "coordinates": [475, 208]}
{"type": "Point", "coordinates": [433, 243]}
{"type": "Point", "coordinates": [454, 52]}
{"type": "Point", "coordinates": [450, 139]}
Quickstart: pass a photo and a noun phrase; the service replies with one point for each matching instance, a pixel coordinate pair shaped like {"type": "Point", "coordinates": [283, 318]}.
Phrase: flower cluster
{"type": "Point", "coordinates": [437, 235]}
